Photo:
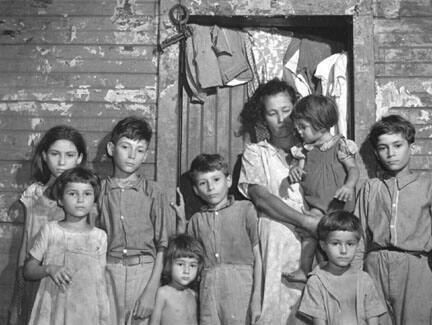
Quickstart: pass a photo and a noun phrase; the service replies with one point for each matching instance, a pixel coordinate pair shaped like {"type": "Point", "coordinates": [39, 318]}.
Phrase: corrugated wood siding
{"type": "Point", "coordinates": [403, 66]}
{"type": "Point", "coordinates": [67, 62]}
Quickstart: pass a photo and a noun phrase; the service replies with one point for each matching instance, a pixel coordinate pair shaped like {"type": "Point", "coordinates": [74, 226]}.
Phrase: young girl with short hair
{"type": "Point", "coordinates": [69, 257]}
{"type": "Point", "coordinates": [327, 169]}
{"type": "Point", "coordinates": [176, 301]}
{"type": "Point", "coordinates": [61, 148]}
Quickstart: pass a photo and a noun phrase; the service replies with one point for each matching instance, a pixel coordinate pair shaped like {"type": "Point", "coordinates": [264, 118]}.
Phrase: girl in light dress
{"type": "Point", "coordinates": [69, 257]}
{"type": "Point", "coordinates": [61, 148]}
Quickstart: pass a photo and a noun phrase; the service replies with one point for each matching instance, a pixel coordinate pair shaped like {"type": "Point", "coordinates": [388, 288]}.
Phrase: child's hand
{"type": "Point", "coordinates": [345, 193]}
{"type": "Point", "coordinates": [179, 208]}
{"type": "Point", "coordinates": [180, 213]}
{"type": "Point", "coordinates": [144, 306]}
{"type": "Point", "coordinates": [296, 174]}
{"type": "Point", "coordinates": [60, 275]}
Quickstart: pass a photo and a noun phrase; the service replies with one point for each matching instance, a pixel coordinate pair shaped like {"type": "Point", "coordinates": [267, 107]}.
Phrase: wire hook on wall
{"type": "Point", "coordinates": [179, 16]}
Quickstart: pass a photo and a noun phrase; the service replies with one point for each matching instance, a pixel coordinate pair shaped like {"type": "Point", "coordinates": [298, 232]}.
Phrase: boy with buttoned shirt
{"type": "Point", "coordinates": [230, 288]}
{"type": "Point", "coordinates": [138, 219]}
{"type": "Point", "coordinates": [396, 212]}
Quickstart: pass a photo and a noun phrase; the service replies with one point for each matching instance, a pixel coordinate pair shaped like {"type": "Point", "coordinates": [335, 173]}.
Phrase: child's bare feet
{"type": "Point", "coordinates": [296, 276]}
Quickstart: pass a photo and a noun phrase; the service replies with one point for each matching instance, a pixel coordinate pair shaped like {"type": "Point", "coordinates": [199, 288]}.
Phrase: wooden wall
{"type": "Point", "coordinates": [88, 64]}
{"type": "Point", "coordinates": [403, 61]}
{"type": "Point", "coordinates": [82, 63]}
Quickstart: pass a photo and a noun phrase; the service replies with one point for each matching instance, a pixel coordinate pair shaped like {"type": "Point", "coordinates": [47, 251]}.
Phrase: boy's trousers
{"type": "Point", "coordinates": [225, 295]}
{"type": "Point", "coordinates": [405, 280]}
{"type": "Point", "coordinates": [125, 285]}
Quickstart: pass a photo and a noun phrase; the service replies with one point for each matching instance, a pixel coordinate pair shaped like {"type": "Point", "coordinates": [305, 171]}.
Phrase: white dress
{"type": "Point", "coordinates": [85, 301]}
{"type": "Point", "coordinates": [265, 165]}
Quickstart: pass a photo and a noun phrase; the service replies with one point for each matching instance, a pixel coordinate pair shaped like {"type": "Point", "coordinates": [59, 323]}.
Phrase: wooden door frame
{"type": "Point", "coordinates": [363, 94]}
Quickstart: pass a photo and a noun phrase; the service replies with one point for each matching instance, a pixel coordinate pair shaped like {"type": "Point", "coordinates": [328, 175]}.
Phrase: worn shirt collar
{"type": "Point", "coordinates": [402, 180]}
{"type": "Point", "coordinates": [326, 145]}
{"type": "Point", "coordinates": [135, 185]}
{"type": "Point", "coordinates": [230, 202]}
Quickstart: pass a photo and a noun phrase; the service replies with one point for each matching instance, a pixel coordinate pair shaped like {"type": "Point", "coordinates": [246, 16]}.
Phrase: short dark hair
{"type": "Point", "coordinates": [76, 175]}
{"type": "Point", "coordinates": [132, 127]}
{"type": "Point", "coordinates": [204, 163]}
{"type": "Point", "coordinates": [40, 170]}
{"type": "Point", "coordinates": [182, 246]}
{"type": "Point", "coordinates": [320, 111]}
{"type": "Point", "coordinates": [392, 124]}
{"type": "Point", "coordinates": [339, 220]}
{"type": "Point", "coordinates": [253, 111]}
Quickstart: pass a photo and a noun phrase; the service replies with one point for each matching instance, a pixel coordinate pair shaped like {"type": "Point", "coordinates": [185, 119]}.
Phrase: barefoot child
{"type": "Point", "coordinates": [230, 289]}
{"type": "Point", "coordinates": [70, 256]}
{"type": "Point", "coordinates": [61, 148]}
{"type": "Point", "coordinates": [329, 173]}
{"type": "Point", "coordinates": [176, 302]}
{"type": "Point", "coordinates": [337, 293]}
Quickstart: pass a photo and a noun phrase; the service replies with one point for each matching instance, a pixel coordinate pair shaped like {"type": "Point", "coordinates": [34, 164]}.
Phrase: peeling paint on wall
{"type": "Point", "coordinates": [35, 122]}
{"type": "Point", "coordinates": [131, 95]}
{"type": "Point", "coordinates": [427, 86]}
{"type": "Point", "coordinates": [388, 96]}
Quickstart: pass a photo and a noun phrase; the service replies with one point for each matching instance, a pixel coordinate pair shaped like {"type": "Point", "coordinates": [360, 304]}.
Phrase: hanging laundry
{"type": "Point", "coordinates": [332, 72]}
{"type": "Point", "coordinates": [268, 47]}
{"type": "Point", "coordinates": [215, 57]}
{"type": "Point", "coordinates": [229, 47]}
{"type": "Point", "coordinates": [290, 74]}
{"type": "Point", "coordinates": [301, 59]}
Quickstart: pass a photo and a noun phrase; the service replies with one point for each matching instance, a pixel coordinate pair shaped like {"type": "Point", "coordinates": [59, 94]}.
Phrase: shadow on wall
{"type": "Point", "coordinates": [101, 163]}
{"type": "Point", "coordinates": [12, 234]}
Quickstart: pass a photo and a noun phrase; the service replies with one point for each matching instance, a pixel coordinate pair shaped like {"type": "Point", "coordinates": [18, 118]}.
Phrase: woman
{"type": "Point", "coordinates": [263, 179]}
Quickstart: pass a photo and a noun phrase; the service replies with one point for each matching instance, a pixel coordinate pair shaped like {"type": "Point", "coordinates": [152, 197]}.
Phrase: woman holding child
{"type": "Point", "coordinates": [263, 179]}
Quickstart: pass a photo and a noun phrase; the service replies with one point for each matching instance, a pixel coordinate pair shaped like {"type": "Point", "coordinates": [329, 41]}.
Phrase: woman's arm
{"type": "Point", "coordinates": [278, 210]}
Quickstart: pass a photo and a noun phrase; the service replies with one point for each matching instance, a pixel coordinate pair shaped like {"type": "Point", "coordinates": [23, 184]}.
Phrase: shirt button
{"type": "Point", "coordinates": [392, 226]}
{"type": "Point", "coordinates": [121, 217]}
{"type": "Point", "coordinates": [394, 205]}
{"type": "Point", "coordinates": [217, 254]}
{"type": "Point", "coordinates": [216, 213]}
{"type": "Point", "coordinates": [122, 189]}
{"type": "Point", "coordinates": [125, 251]}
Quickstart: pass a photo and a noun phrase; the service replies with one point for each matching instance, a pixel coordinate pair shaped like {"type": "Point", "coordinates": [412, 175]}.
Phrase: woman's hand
{"type": "Point", "coordinates": [345, 193]}
{"type": "Point", "coordinates": [60, 275]}
{"type": "Point", "coordinates": [296, 174]}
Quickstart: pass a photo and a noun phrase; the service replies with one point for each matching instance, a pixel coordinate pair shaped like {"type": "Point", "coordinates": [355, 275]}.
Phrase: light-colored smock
{"type": "Point", "coordinates": [39, 210]}
{"type": "Point", "coordinates": [326, 297]}
{"type": "Point", "coordinates": [263, 164]}
{"type": "Point", "coordinates": [85, 301]}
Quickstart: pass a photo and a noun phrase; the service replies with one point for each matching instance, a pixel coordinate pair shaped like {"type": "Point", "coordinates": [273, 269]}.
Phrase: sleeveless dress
{"type": "Point", "coordinates": [265, 165]}
{"type": "Point", "coordinates": [325, 173]}
{"type": "Point", "coordinates": [39, 211]}
{"type": "Point", "coordinates": [85, 301]}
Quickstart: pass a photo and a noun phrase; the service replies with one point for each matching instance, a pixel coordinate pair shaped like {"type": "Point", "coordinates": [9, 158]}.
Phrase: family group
{"type": "Point", "coordinates": [307, 245]}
